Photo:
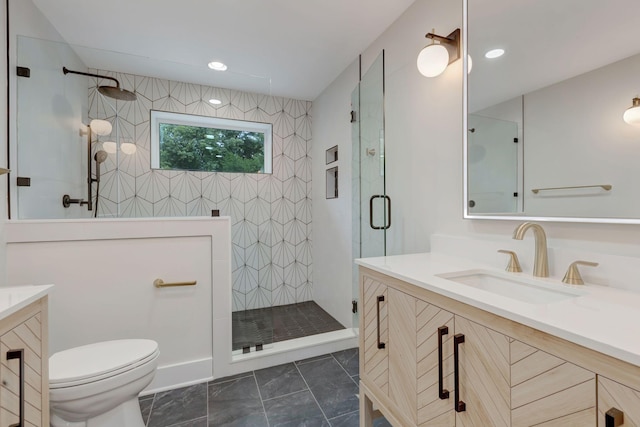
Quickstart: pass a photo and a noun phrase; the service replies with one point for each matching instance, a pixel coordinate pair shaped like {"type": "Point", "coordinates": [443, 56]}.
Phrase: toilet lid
{"type": "Point", "coordinates": [88, 362]}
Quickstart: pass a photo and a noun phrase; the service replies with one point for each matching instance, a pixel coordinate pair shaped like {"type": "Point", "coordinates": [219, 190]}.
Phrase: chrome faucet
{"type": "Point", "coordinates": [541, 262]}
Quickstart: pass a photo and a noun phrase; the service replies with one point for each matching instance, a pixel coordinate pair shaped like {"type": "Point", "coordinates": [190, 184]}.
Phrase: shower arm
{"type": "Point", "coordinates": [65, 70]}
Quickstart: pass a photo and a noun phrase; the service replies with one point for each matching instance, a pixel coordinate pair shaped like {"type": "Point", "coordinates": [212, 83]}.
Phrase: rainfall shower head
{"type": "Point", "coordinates": [115, 92]}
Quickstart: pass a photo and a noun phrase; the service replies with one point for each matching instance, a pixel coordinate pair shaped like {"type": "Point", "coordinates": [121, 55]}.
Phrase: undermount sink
{"type": "Point", "coordinates": [516, 287]}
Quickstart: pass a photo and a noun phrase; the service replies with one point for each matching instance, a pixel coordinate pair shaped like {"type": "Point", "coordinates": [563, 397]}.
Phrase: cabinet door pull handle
{"type": "Point", "coordinates": [19, 354]}
{"type": "Point", "coordinates": [444, 394]}
{"type": "Point", "coordinates": [614, 418]}
{"type": "Point", "coordinates": [380, 299]}
{"type": "Point", "coordinates": [458, 339]}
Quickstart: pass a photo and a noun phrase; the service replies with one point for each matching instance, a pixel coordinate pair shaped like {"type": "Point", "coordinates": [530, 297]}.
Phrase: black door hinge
{"type": "Point", "coordinates": [23, 72]}
{"type": "Point", "coordinates": [515, 140]}
{"type": "Point", "coordinates": [515, 194]}
{"type": "Point", "coordinates": [354, 306]}
{"type": "Point", "coordinates": [353, 116]}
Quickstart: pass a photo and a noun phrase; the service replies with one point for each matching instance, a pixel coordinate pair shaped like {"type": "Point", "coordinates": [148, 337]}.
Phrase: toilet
{"type": "Point", "coordinates": [97, 385]}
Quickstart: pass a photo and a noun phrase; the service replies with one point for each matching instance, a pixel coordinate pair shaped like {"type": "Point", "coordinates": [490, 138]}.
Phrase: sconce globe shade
{"type": "Point", "coordinates": [632, 114]}
{"type": "Point", "coordinates": [128, 148]}
{"type": "Point", "coordinates": [110, 147]}
{"type": "Point", "coordinates": [100, 127]}
{"type": "Point", "coordinates": [433, 60]}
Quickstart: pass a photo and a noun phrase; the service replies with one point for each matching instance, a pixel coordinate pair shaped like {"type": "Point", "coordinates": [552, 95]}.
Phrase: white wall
{"type": "Point", "coordinates": [575, 135]}
{"type": "Point", "coordinates": [103, 272]}
{"type": "Point", "coordinates": [3, 152]}
{"type": "Point", "coordinates": [424, 152]}
{"type": "Point", "coordinates": [332, 217]}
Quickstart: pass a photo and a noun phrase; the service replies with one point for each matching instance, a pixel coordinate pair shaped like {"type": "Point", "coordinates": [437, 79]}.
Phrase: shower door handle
{"type": "Point", "coordinates": [387, 208]}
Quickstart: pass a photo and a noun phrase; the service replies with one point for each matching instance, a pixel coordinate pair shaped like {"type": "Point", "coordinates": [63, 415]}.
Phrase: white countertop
{"type": "Point", "coordinates": [15, 298]}
{"type": "Point", "coordinates": [604, 319]}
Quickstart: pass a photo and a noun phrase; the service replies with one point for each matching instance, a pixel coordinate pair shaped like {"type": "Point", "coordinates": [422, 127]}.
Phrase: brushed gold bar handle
{"type": "Point", "coordinates": [159, 283]}
{"type": "Point", "coordinates": [605, 187]}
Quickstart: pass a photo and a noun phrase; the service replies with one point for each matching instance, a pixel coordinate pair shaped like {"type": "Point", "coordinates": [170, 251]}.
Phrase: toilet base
{"type": "Point", "coordinates": [126, 414]}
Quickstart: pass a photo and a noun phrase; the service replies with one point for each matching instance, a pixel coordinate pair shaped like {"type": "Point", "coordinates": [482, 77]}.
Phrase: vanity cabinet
{"type": "Point", "coordinates": [503, 381]}
{"type": "Point", "coordinates": [616, 396]}
{"type": "Point", "coordinates": [23, 341]}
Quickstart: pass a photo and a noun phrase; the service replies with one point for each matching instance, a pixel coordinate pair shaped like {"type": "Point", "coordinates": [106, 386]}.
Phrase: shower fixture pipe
{"type": "Point", "coordinates": [90, 179]}
{"type": "Point", "coordinates": [112, 92]}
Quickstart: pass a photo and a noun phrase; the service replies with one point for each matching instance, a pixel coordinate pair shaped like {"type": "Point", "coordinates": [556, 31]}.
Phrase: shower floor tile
{"type": "Point", "coordinates": [280, 323]}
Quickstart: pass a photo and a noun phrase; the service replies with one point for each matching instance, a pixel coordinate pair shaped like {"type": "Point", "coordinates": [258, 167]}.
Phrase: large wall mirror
{"type": "Point", "coordinates": [545, 136]}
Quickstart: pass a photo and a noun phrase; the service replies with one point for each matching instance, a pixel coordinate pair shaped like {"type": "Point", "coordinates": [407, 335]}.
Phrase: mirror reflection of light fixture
{"type": "Point", "coordinates": [632, 114]}
{"type": "Point", "coordinates": [110, 147]}
{"type": "Point", "coordinates": [100, 127]}
{"type": "Point", "coordinates": [126, 147]}
{"type": "Point", "coordinates": [434, 58]}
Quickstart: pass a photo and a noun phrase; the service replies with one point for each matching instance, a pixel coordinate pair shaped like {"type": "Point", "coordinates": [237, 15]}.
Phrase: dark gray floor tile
{"type": "Point", "coordinates": [251, 420]}
{"type": "Point", "coordinates": [231, 377]}
{"type": "Point", "coordinates": [236, 403]}
{"type": "Point", "coordinates": [145, 407]}
{"type": "Point", "coordinates": [348, 420]}
{"type": "Point", "coordinates": [332, 387]}
{"type": "Point", "coordinates": [200, 422]}
{"type": "Point", "coordinates": [279, 323]}
{"type": "Point", "coordinates": [297, 409]}
{"type": "Point", "coordinates": [349, 360]}
{"type": "Point", "coordinates": [318, 421]}
{"type": "Point", "coordinates": [313, 359]}
{"type": "Point", "coordinates": [279, 380]}
{"type": "Point", "coordinates": [356, 379]}
{"type": "Point", "coordinates": [381, 422]}
{"type": "Point", "coordinates": [180, 405]}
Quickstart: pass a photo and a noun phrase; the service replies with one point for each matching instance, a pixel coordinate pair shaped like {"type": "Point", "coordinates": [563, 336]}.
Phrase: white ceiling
{"type": "Point", "coordinates": [291, 48]}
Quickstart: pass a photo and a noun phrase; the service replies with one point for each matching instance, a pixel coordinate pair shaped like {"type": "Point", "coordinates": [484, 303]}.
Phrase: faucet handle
{"type": "Point", "coordinates": [573, 277]}
{"type": "Point", "coordinates": [514, 264]}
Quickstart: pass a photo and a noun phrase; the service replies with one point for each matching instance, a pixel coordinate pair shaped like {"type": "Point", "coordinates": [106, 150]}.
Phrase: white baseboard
{"type": "Point", "coordinates": [170, 377]}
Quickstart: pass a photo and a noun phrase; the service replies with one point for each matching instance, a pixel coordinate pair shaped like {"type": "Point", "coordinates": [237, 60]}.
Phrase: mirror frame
{"type": "Point", "coordinates": [465, 175]}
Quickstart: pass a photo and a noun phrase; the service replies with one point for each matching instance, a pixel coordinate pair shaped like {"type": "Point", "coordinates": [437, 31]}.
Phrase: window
{"type": "Point", "coordinates": [209, 144]}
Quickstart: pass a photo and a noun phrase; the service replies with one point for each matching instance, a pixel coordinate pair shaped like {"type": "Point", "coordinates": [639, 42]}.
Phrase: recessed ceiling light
{"type": "Point", "coordinates": [494, 53]}
{"type": "Point", "coordinates": [215, 101]}
{"type": "Point", "coordinates": [218, 66]}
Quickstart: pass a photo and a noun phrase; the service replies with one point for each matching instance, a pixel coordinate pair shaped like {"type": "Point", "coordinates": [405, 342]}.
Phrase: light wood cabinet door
{"type": "Point", "coordinates": [484, 371]}
{"type": "Point", "coordinates": [23, 344]}
{"type": "Point", "coordinates": [375, 329]}
{"type": "Point", "coordinates": [613, 395]}
{"type": "Point", "coordinates": [432, 410]}
{"type": "Point", "coordinates": [548, 391]}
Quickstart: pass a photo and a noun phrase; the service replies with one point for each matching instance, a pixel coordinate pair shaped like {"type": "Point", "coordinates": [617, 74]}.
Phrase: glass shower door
{"type": "Point", "coordinates": [371, 204]}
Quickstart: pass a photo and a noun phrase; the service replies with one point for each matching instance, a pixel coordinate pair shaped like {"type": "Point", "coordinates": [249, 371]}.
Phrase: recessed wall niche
{"type": "Point", "coordinates": [332, 183]}
{"type": "Point", "coordinates": [332, 155]}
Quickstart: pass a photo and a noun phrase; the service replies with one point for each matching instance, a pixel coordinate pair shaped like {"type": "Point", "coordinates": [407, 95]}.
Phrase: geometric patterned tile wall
{"type": "Point", "coordinates": [270, 213]}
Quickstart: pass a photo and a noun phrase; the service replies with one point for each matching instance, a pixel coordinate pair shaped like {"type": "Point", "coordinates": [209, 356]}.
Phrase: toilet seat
{"type": "Point", "coordinates": [95, 362]}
